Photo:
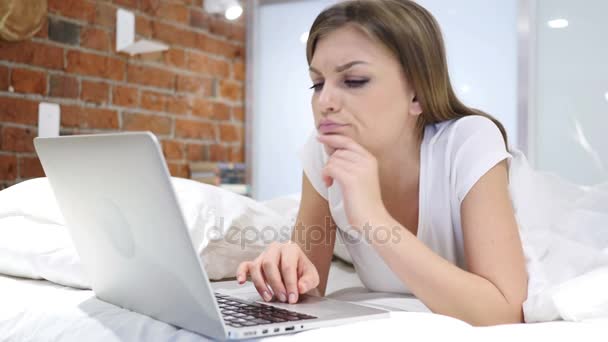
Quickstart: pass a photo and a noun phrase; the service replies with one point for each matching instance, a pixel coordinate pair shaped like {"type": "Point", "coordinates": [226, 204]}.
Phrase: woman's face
{"type": "Point", "coordinates": [360, 91]}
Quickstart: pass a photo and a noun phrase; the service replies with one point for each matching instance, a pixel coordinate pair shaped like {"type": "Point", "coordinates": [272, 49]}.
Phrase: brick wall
{"type": "Point", "coordinates": [191, 96]}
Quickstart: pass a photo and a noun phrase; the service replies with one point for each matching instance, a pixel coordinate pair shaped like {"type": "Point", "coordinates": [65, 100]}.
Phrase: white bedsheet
{"type": "Point", "coordinates": [37, 310]}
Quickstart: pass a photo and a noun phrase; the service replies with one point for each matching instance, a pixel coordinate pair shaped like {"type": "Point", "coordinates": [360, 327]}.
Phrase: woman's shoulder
{"type": "Point", "coordinates": [456, 132]}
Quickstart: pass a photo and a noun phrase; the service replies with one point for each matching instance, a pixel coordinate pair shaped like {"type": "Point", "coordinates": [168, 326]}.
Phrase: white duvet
{"type": "Point", "coordinates": [42, 311]}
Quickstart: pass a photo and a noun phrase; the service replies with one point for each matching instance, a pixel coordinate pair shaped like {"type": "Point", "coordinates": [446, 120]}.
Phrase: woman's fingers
{"type": "Point", "coordinates": [257, 277]}
{"type": "Point", "coordinates": [310, 277]}
{"type": "Point", "coordinates": [289, 271]}
{"type": "Point", "coordinates": [270, 266]}
{"type": "Point", "coordinates": [346, 155]}
{"type": "Point", "coordinates": [337, 169]}
{"type": "Point", "coordinates": [338, 163]}
{"type": "Point", "coordinates": [341, 142]}
{"type": "Point", "coordinates": [242, 271]}
{"type": "Point", "coordinates": [283, 269]}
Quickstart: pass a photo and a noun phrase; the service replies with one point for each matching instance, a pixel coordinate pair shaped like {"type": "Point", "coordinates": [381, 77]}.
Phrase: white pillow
{"type": "Point", "coordinates": [226, 229]}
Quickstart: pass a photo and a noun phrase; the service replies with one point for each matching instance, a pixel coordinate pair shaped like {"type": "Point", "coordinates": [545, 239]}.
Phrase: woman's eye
{"type": "Point", "coordinates": [355, 83]}
{"type": "Point", "coordinates": [349, 84]}
{"type": "Point", "coordinates": [317, 86]}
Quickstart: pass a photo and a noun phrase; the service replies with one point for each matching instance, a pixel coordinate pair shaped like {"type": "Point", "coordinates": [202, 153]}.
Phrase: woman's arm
{"type": "Point", "coordinates": [494, 288]}
{"type": "Point", "coordinates": [315, 232]}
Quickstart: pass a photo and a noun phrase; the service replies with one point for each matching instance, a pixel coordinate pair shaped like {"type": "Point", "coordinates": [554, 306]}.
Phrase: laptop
{"type": "Point", "coordinates": [120, 208]}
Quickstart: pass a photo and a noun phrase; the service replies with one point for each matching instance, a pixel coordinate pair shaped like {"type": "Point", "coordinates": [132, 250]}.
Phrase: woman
{"type": "Point", "coordinates": [415, 182]}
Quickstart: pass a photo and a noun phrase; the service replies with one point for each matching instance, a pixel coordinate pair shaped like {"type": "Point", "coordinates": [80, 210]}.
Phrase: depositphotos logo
{"type": "Point", "coordinates": [312, 235]}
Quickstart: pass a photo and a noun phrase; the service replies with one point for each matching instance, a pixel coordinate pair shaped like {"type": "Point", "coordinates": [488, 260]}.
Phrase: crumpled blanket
{"type": "Point", "coordinates": [564, 231]}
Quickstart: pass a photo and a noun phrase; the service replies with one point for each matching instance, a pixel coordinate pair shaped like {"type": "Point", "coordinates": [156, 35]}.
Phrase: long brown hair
{"type": "Point", "coordinates": [413, 35]}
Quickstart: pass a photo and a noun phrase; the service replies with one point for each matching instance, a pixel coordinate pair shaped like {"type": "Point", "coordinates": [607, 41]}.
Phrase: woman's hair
{"type": "Point", "coordinates": [413, 36]}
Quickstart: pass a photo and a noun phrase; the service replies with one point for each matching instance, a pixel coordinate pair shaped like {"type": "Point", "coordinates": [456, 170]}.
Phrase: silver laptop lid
{"type": "Point", "coordinates": [119, 205]}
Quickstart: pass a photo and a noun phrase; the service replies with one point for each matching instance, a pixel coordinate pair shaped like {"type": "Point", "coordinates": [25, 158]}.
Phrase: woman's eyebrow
{"type": "Point", "coordinates": [339, 68]}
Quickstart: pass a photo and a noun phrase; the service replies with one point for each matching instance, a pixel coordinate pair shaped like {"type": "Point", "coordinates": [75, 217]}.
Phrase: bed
{"type": "Point", "coordinates": [44, 295]}
{"type": "Point", "coordinates": [39, 310]}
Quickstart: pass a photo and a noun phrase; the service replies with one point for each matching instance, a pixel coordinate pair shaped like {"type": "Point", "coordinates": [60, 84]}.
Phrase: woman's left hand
{"type": "Point", "coordinates": [356, 170]}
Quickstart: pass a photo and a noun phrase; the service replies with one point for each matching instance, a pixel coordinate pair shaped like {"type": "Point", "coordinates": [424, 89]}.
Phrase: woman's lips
{"type": "Point", "coordinates": [327, 128]}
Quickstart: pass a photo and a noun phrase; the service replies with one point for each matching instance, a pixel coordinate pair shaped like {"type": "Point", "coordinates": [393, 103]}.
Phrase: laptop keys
{"type": "Point", "coordinates": [237, 313]}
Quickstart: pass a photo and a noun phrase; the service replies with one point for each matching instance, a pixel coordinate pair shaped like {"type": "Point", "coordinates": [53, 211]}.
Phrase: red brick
{"type": "Point", "coordinates": [218, 26]}
{"type": "Point", "coordinates": [149, 6]}
{"type": "Point", "coordinates": [220, 111]}
{"type": "Point", "coordinates": [16, 139]}
{"type": "Point", "coordinates": [150, 76]}
{"type": "Point", "coordinates": [197, 152]}
{"type": "Point", "coordinates": [30, 167]}
{"type": "Point", "coordinates": [238, 114]}
{"type": "Point", "coordinates": [94, 65]}
{"type": "Point", "coordinates": [194, 130]}
{"type": "Point", "coordinates": [144, 122]}
{"type": "Point", "coordinates": [173, 150]}
{"type": "Point", "coordinates": [18, 111]}
{"type": "Point", "coordinates": [153, 101]}
{"type": "Point", "coordinates": [96, 92]}
{"type": "Point", "coordinates": [218, 47]}
{"type": "Point", "coordinates": [28, 81]}
{"type": "Point", "coordinates": [85, 117]}
{"type": "Point", "coordinates": [143, 26]}
{"type": "Point", "coordinates": [44, 29]}
{"type": "Point", "coordinates": [95, 38]}
{"type": "Point", "coordinates": [202, 108]}
{"type": "Point", "coordinates": [179, 170]}
{"type": "Point", "coordinates": [237, 155]}
{"type": "Point", "coordinates": [199, 19]}
{"type": "Point", "coordinates": [175, 57]}
{"type": "Point", "coordinates": [238, 71]}
{"type": "Point", "coordinates": [180, 105]}
{"type": "Point", "coordinates": [63, 86]}
{"type": "Point", "coordinates": [105, 14]}
{"type": "Point", "coordinates": [4, 80]}
{"type": "Point", "coordinates": [173, 12]}
{"type": "Point", "coordinates": [238, 34]}
{"type": "Point", "coordinates": [125, 96]}
{"type": "Point", "coordinates": [127, 3]}
{"type": "Point", "coordinates": [202, 86]}
{"type": "Point", "coordinates": [31, 53]}
{"type": "Point", "coordinates": [8, 168]}
{"type": "Point", "coordinates": [218, 152]}
{"type": "Point", "coordinates": [77, 9]}
{"type": "Point", "coordinates": [202, 63]}
{"type": "Point", "coordinates": [156, 57]}
{"type": "Point", "coordinates": [231, 90]}
{"type": "Point", "coordinates": [229, 133]}
{"type": "Point", "coordinates": [173, 35]}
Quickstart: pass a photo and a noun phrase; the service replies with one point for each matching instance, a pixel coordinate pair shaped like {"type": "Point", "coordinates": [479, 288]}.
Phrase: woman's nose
{"type": "Point", "coordinates": [329, 100]}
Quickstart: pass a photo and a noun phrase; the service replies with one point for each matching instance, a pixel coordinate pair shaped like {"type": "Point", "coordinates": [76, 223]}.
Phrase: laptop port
{"type": "Point", "coordinates": [291, 328]}
{"type": "Point", "coordinates": [277, 329]}
{"type": "Point", "coordinates": [265, 331]}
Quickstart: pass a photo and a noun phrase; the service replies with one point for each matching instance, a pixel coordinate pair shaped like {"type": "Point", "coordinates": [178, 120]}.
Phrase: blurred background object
{"type": "Point", "coordinates": [21, 19]}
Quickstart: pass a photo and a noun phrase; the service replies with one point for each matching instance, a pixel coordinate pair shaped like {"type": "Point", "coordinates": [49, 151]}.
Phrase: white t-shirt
{"type": "Point", "coordinates": [453, 157]}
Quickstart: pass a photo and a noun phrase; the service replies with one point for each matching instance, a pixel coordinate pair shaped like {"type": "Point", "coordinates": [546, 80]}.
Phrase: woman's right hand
{"type": "Point", "coordinates": [284, 268]}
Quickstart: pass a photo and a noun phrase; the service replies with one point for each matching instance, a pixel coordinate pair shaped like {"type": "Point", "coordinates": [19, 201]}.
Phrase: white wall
{"type": "Point", "coordinates": [481, 44]}
{"type": "Point", "coordinates": [571, 93]}
{"type": "Point", "coordinates": [282, 118]}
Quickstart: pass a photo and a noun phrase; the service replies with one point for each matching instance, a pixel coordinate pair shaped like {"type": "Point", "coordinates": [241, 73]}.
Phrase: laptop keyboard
{"type": "Point", "coordinates": [238, 313]}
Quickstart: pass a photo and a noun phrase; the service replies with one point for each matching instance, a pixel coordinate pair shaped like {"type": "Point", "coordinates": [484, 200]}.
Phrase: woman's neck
{"type": "Point", "coordinates": [399, 167]}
